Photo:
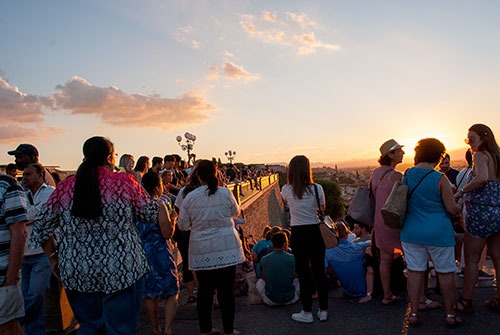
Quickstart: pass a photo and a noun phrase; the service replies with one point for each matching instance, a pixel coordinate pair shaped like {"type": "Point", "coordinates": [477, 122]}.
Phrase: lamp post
{"type": "Point", "coordinates": [230, 155]}
{"type": "Point", "coordinates": [188, 146]}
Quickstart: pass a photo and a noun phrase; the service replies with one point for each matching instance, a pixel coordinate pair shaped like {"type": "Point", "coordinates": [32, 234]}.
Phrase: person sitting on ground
{"type": "Point", "coordinates": [278, 285]}
{"type": "Point", "coordinates": [346, 263]}
{"type": "Point", "coordinates": [262, 244]}
{"type": "Point", "coordinates": [371, 264]}
{"type": "Point", "coordinates": [362, 232]}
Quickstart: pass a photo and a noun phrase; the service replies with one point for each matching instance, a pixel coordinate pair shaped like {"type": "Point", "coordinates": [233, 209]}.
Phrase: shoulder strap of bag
{"type": "Point", "coordinates": [463, 176]}
{"type": "Point", "coordinates": [421, 180]}
{"type": "Point", "coordinates": [372, 194]}
{"type": "Point", "coordinates": [316, 193]}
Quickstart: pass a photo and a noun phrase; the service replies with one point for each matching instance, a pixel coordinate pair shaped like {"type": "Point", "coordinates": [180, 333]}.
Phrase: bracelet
{"type": "Point", "coordinates": [54, 253]}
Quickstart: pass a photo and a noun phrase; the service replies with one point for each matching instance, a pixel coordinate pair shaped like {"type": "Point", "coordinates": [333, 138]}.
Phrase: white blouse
{"type": "Point", "coordinates": [214, 242]}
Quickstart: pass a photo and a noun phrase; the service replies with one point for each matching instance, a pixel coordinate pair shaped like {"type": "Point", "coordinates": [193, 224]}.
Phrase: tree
{"type": "Point", "coordinates": [333, 199]}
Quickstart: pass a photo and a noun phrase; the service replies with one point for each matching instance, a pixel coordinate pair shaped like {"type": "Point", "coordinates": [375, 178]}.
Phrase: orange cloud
{"type": "Point", "coordinates": [286, 32]}
{"type": "Point", "coordinates": [231, 71]}
{"type": "Point", "coordinates": [22, 115]}
{"type": "Point", "coordinates": [17, 106]}
{"type": "Point", "coordinates": [118, 108]}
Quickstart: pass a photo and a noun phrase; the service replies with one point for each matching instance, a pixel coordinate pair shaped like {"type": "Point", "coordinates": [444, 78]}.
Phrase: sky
{"type": "Point", "coordinates": [269, 80]}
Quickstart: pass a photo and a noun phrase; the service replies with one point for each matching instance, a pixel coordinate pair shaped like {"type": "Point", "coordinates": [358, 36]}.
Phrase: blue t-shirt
{"type": "Point", "coordinates": [346, 261]}
{"type": "Point", "coordinates": [427, 221]}
{"type": "Point", "coordinates": [257, 248]}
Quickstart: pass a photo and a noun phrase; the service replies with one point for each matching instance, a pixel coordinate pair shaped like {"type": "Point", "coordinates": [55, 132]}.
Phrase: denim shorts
{"type": "Point", "coordinates": [11, 303]}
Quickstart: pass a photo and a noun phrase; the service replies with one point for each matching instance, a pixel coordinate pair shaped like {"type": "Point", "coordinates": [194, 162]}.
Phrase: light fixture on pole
{"type": "Point", "coordinates": [230, 155]}
{"type": "Point", "coordinates": [188, 146]}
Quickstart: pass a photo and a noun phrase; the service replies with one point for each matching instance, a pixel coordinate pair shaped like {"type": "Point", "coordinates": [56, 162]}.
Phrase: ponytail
{"type": "Point", "coordinates": [207, 173]}
{"type": "Point", "coordinates": [213, 184]}
{"type": "Point", "coordinates": [87, 197]}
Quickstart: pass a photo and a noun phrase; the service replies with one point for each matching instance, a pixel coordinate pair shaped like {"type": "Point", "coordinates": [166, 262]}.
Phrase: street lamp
{"type": "Point", "coordinates": [230, 155]}
{"type": "Point", "coordinates": [188, 146]}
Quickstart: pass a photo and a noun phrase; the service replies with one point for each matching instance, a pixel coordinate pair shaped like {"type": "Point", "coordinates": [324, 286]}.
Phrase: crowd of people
{"type": "Point", "coordinates": [108, 233]}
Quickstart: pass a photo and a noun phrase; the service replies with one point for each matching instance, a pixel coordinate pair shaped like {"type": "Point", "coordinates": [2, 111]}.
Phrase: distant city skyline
{"type": "Point", "coordinates": [269, 80]}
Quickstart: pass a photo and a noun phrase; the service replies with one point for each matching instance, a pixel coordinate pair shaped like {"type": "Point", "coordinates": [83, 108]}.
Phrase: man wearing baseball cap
{"type": "Point", "coordinates": [27, 154]}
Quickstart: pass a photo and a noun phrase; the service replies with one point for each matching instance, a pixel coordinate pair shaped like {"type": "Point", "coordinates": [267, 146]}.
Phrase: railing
{"type": "Point", "coordinates": [243, 191]}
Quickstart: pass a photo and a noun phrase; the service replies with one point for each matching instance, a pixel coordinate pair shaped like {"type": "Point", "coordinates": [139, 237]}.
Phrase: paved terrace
{"type": "Point", "coordinates": [346, 316]}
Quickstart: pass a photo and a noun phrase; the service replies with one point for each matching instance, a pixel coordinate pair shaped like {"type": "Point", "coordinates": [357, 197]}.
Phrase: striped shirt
{"type": "Point", "coordinates": [12, 210]}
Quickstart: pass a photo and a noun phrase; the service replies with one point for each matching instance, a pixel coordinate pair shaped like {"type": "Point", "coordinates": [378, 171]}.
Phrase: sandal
{"type": "Point", "coordinates": [391, 300]}
{"type": "Point", "coordinates": [494, 304]}
{"type": "Point", "coordinates": [452, 320]}
{"type": "Point", "coordinates": [413, 320]}
{"type": "Point", "coordinates": [464, 305]}
{"type": "Point", "coordinates": [428, 305]}
{"type": "Point", "coordinates": [191, 299]}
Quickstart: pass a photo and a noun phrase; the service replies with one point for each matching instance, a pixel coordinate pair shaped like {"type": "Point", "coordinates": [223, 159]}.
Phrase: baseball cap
{"type": "Point", "coordinates": [24, 149]}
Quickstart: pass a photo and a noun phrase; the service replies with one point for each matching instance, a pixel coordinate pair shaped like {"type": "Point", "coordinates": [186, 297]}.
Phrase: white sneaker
{"type": "Point", "coordinates": [322, 315]}
{"type": "Point", "coordinates": [303, 317]}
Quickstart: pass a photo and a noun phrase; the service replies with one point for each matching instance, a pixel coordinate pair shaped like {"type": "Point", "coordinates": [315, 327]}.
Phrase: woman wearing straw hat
{"type": "Point", "coordinates": [387, 239]}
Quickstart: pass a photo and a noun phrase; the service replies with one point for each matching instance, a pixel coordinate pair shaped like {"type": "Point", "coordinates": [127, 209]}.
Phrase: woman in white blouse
{"type": "Point", "coordinates": [300, 193]}
{"type": "Point", "coordinates": [214, 246]}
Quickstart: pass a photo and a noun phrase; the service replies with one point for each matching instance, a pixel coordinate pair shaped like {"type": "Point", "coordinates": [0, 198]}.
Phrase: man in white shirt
{"type": "Point", "coordinates": [36, 269]}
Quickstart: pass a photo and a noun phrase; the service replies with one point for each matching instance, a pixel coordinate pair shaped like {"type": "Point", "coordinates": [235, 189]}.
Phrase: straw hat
{"type": "Point", "coordinates": [389, 146]}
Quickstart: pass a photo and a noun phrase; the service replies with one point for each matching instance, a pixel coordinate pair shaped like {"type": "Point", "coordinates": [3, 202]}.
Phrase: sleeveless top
{"type": "Point", "coordinates": [483, 209]}
{"type": "Point", "coordinates": [387, 239]}
{"type": "Point", "coordinates": [427, 221]}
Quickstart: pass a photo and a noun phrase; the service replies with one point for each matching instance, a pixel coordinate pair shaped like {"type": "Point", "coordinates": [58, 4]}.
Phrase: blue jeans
{"type": "Point", "coordinates": [111, 314]}
{"type": "Point", "coordinates": [35, 274]}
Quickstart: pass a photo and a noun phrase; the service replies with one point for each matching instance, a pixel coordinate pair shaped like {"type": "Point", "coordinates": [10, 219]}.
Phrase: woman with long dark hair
{"type": "Point", "coordinates": [214, 246]}
{"type": "Point", "coordinates": [141, 167]}
{"type": "Point", "coordinates": [482, 221]}
{"type": "Point", "coordinates": [98, 255]}
{"type": "Point", "coordinates": [306, 241]}
{"type": "Point", "coordinates": [161, 282]}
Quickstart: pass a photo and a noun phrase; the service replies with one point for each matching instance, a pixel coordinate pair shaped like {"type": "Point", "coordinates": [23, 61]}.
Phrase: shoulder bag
{"type": "Point", "coordinates": [394, 210]}
{"type": "Point", "coordinates": [326, 225]}
{"type": "Point", "coordinates": [362, 207]}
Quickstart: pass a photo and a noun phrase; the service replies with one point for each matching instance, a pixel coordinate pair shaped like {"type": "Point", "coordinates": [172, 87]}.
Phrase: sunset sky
{"type": "Point", "coordinates": [267, 79]}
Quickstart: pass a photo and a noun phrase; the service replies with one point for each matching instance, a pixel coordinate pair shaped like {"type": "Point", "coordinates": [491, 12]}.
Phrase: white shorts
{"type": "Point", "coordinates": [11, 303]}
{"type": "Point", "coordinates": [417, 256]}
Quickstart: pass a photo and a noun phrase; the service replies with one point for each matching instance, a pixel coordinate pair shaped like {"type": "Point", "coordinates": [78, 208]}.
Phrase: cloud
{"type": "Point", "coordinates": [22, 115]}
{"type": "Point", "coordinates": [195, 44]}
{"type": "Point", "coordinates": [230, 70]}
{"type": "Point", "coordinates": [113, 106]}
{"type": "Point", "coordinates": [183, 35]}
{"type": "Point", "coordinates": [302, 20]}
{"type": "Point", "coordinates": [228, 54]}
{"type": "Point", "coordinates": [179, 81]}
{"type": "Point", "coordinates": [287, 33]}
{"type": "Point", "coordinates": [270, 17]}
{"type": "Point", "coordinates": [308, 44]}
{"type": "Point", "coordinates": [17, 106]}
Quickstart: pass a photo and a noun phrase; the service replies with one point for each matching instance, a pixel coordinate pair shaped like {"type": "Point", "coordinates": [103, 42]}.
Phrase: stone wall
{"type": "Point", "coordinates": [265, 208]}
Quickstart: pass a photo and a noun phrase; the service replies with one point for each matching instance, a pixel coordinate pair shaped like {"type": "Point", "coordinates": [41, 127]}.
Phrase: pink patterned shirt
{"type": "Point", "coordinates": [104, 254]}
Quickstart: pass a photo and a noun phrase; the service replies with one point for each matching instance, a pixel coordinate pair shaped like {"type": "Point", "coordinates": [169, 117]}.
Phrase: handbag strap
{"type": "Point", "coordinates": [316, 193]}
{"type": "Point", "coordinates": [463, 176]}
{"type": "Point", "coordinates": [379, 180]}
{"type": "Point", "coordinates": [421, 180]}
